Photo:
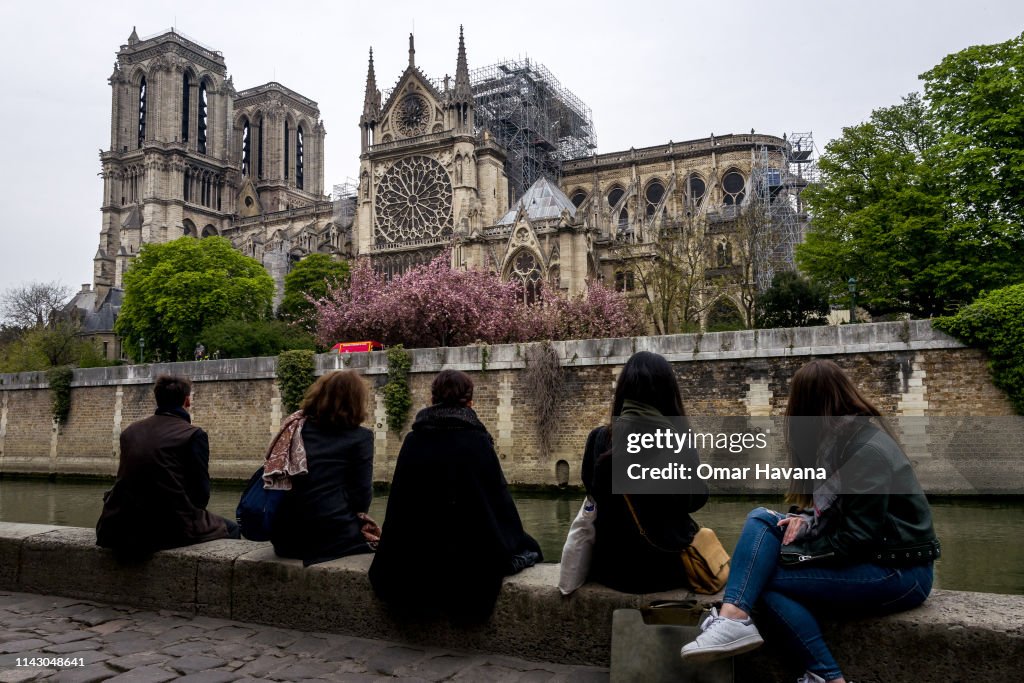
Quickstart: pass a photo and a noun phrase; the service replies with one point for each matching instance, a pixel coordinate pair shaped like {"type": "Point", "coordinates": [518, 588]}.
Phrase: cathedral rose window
{"type": "Point", "coordinates": [413, 115]}
{"type": "Point", "coordinates": [414, 201]}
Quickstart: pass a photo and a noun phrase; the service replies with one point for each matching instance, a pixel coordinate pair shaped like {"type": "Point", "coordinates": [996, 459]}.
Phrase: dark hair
{"type": "Point", "coordinates": [648, 378]}
{"type": "Point", "coordinates": [171, 390]}
{"type": "Point", "coordinates": [336, 400]}
{"type": "Point", "coordinates": [451, 388]}
{"type": "Point", "coordinates": [820, 389]}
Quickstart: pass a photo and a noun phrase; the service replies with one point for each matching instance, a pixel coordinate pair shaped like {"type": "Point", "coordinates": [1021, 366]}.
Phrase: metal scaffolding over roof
{"type": "Point", "coordinates": [538, 121]}
{"type": "Point", "coordinates": [779, 182]}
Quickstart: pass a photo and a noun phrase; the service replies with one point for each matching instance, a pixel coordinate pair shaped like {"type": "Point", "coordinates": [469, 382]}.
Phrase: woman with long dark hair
{"type": "Point", "coordinates": [451, 532]}
{"type": "Point", "coordinates": [859, 540]}
{"type": "Point", "coordinates": [623, 559]}
{"type": "Point", "coordinates": [327, 457]}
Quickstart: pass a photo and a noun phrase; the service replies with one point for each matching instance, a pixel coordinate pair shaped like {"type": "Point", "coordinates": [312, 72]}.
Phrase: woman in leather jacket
{"type": "Point", "coordinates": [860, 540]}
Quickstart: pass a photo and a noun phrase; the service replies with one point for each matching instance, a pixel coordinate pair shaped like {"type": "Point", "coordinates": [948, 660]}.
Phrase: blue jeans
{"type": "Point", "coordinates": [786, 594]}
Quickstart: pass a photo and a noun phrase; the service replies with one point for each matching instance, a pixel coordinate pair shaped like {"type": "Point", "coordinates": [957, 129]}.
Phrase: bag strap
{"type": "Point", "coordinates": [643, 532]}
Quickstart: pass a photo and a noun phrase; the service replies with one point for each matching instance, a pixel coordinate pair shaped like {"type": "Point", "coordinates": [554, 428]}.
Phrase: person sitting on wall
{"type": "Point", "coordinates": [624, 559]}
{"type": "Point", "coordinates": [451, 532]}
{"type": "Point", "coordinates": [162, 488]}
{"type": "Point", "coordinates": [323, 515]}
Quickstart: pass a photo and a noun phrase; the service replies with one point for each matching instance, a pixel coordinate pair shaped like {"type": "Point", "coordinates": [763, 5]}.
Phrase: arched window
{"type": "Point", "coordinates": [526, 271]}
{"type": "Point", "coordinates": [259, 147]}
{"type": "Point", "coordinates": [203, 119]}
{"type": "Point", "coordinates": [724, 316]}
{"type": "Point", "coordinates": [287, 150]}
{"type": "Point", "coordinates": [189, 228]}
{"type": "Point", "coordinates": [186, 86]}
{"type": "Point", "coordinates": [653, 194]}
{"type": "Point", "coordinates": [299, 158]}
{"type": "Point", "coordinates": [142, 111]}
{"type": "Point", "coordinates": [578, 197]}
{"type": "Point", "coordinates": [732, 186]}
{"type": "Point", "coordinates": [697, 188]}
{"type": "Point", "coordinates": [209, 231]}
{"type": "Point", "coordinates": [246, 147]}
{"type": "Point", "coordinates": [615, 196]}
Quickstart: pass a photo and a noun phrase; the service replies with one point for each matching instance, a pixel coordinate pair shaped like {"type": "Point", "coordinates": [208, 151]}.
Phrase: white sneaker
{"type": "Point", "coordinates": [721, 637]}
{"type": "Point", "coordinates": [811, 677]}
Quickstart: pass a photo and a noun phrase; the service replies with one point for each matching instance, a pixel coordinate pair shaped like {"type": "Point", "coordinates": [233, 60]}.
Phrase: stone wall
{"type": "Point", "coordinates": [906, 368]}
{"type": "Point", "coordinates": [954, 636]}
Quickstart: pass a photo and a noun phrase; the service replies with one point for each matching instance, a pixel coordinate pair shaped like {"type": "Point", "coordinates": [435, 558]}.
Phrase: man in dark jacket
{"type": "Point", "coordinates": [163, 481]}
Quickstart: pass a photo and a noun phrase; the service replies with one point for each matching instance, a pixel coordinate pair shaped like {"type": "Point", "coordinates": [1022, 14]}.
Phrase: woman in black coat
{"type": "Point", "coordinates": [623, 559]}
{"type": "Point", "coordinates": [451, 531]}
{"type": "Point", "coordinates": [319, 518]}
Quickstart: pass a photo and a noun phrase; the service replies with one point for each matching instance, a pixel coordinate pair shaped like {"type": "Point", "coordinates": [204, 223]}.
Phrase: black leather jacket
{"type": "Point", "coordinates": [881, 516]}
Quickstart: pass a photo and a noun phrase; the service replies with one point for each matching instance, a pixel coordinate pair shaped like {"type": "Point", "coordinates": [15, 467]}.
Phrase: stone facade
{"type": "Point", "coordinates": [905, 370]}
{"type": "Point", "coordinates": [191, 156]}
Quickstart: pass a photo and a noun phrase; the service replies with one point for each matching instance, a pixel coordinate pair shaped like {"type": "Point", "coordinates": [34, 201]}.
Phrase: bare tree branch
{"type": "Point", "coordinates": [33, 305]}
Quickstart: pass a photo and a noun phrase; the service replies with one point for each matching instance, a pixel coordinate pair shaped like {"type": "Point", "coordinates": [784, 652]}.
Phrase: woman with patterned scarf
{"type": "Point", "coordinates": [324, 459]}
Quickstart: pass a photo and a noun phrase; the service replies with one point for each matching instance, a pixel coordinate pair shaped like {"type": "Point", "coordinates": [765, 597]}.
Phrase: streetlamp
{"type": "Point", "coordinates": [852, 285]}
{"type": "Point", "coordinates": [142, 349]}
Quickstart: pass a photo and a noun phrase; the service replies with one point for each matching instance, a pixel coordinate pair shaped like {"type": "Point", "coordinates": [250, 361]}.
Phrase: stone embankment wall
{"type": "Point", "coordinates": [906, 368]}
{"type": "Point", "coordinates": [954, 636]}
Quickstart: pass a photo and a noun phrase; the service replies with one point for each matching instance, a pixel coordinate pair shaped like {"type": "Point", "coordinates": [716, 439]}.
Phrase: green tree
{"type": "Point", "coordinates": [792, 301]}
{"type": "Point", "coordinates": [976, 97]}
{"type": "Point", "coordinates": [174, 290]}
{"type": "Point", "coordinates": [879, 214]}
{"type": "Point", "coordinates": [246, 339]}
{"type": "Point", "coordinates": [312, 277]}
{"type": "Point", "coordinates": [924, 203]}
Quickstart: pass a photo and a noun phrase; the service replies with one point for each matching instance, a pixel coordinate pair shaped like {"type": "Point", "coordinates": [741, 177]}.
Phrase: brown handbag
{"type": "Point", "coordinates": [705, 560]}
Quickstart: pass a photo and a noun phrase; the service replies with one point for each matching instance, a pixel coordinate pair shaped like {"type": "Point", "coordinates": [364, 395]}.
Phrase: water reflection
{"type": "Point", "coordinates": [979, 547]}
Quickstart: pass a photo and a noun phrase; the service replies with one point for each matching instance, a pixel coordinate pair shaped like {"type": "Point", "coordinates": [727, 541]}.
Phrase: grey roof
{"type": "Point", "coordinates": [543, 200]}
{"type": "Point", "coordinates": [96, 318]}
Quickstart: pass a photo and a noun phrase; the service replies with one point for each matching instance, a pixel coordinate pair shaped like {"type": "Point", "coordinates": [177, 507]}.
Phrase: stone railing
{"type": "Point", "coordinates": [953, 636]}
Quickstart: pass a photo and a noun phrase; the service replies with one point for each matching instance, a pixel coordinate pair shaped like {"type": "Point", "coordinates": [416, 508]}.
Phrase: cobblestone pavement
{"type": "Point", "coordinates": [125, 645]}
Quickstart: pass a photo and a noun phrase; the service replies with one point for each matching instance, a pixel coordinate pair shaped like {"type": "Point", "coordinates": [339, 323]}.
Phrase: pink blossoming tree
{"type": "Point", "coordinates": [434, 305]}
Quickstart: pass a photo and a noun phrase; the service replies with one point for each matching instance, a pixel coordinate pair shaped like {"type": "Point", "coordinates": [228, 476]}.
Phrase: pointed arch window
{"type": "Point", "coordinates": [203, 119]}
{"type": "Point", "coordinates": [299, 158]}
{"type": "Point", "coordinates": [526, 271]}
{"type": "Point", "coordinates": [697, 189]}
{"type": "Point", "coordinates": [259, 147]}
{"type": "Point", "coordinates": [186, 87]}
{"type": "Point", "coordinates": [287, 150]}
{"type": "Point", "coordinates": [615, 196]}
{"type": "Point", "coordinates": [733, 185]}
{"type": "Point", "coordinates": [578, 198]}
{"type": "Point", "coordinates": [142, 111]}
{"type": "Point", "coordinates": [246, 147]}
{"type": "Point", "coordinates": [654, 193]}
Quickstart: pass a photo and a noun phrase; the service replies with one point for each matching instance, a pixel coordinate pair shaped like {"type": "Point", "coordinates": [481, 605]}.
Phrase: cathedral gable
{"type": "Point", "coordinates": [414, 108]}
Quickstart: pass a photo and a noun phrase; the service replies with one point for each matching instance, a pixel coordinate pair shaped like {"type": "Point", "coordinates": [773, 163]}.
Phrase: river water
{"type": "Point", "coordinates": [981, 550]}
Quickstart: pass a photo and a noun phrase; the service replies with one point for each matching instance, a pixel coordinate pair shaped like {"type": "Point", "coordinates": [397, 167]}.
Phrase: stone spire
{"type": "Point", "coordinates": [412, 53]}
{"type": "Point", "coordinates": [371, 98]}
{"type": "Point", "coordinates": [463, 91]}
{"type": "Point", "coordinates": [134, 37]}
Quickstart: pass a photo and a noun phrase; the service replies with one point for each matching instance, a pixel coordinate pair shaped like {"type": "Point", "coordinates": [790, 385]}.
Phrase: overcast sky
{"type": "Point", "coordinates": [650, 71]}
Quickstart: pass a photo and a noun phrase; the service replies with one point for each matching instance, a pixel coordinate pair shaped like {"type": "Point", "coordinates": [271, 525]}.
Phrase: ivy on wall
{"type": "Point", "coordinates": [295, 374]}
{"type": "Point", "coordinates": [397, 399]}
{"type": "Point", "coordinates": [60, 384]}
{"type": "Point", "coordinates": [545, 383]}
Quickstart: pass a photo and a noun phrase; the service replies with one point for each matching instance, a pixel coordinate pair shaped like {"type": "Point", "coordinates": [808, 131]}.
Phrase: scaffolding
{"type": "Point", "coordinates": [539, 122]}
{"type": "Point", "coordinates": [343, 196]}
{"type": "Point", "coordinates": [778, 179]}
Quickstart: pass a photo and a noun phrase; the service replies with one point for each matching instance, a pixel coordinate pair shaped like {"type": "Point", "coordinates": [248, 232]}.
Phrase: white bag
{"type": "Point", "coordinates": [579, 547]}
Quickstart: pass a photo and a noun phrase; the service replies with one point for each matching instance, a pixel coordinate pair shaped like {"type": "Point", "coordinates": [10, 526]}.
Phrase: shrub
{"type": "Point", "coordinates": [397, 399]}
{"type": "Point", "coordinates": [60, 384]}
{"type": "Point", "coordinates": [295, 374]}
{"type": "Point", "coordinates": [995, 322]}
{"type": "Point", "coordinates": [247, 339]}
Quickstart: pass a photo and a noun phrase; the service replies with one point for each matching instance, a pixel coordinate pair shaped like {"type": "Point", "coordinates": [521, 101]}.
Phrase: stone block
{"type": "Point", "coordinates": [12, 535]}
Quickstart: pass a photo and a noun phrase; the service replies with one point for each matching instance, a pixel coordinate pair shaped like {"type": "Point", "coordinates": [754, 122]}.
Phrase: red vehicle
{"type": "Point", "coordinates": [357, 347]}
